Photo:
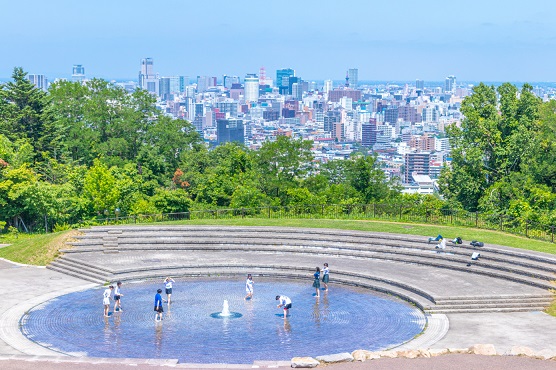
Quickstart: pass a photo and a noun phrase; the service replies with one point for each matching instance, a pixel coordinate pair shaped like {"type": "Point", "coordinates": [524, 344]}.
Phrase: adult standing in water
{"type": "Point", "coordinates": [106, 299]}
{"type": "Point", "coordinates": [249, 287]}
{"type": "Point", "coordinates": [316, 281]}
{"type": "Point", "coordinates": [168, 285]}
{"type": "Point", "coordinates": [158, 305]}
{"type": "Point", "coordinates": [325, 272]}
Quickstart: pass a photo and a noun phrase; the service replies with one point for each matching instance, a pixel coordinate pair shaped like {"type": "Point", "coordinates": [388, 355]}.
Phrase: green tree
{"type": "Point", "coordinates": [281, 164]}
{"type": "Point", "coordinates": [23, 114]}
{"type": "Point", "coordinates": [494, 137]}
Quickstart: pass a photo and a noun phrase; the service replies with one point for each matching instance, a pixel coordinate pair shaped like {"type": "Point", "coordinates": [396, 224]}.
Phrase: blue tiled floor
{"type": "Point", "coordinates": [341, 320]}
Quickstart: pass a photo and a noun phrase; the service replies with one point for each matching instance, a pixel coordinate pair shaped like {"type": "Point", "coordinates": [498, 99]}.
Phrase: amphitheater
{"type": "Point", "coordinates": [451, 289]}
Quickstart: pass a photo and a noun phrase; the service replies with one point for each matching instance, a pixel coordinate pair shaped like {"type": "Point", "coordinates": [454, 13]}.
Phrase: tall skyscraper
{"type": "Point", "coordinates": [327, 86]}
{"type": "Point", "coordinates": [39, 81]}
{"type": "Point", "coordinates": [78, 73]}
{"type": "Point", "coordinates": [353, 75]}
{"type": "Point", "coordinates": [369, 133]}
{"type": "Point", "coordinates": [450, 84]}
{"type": "Point", "coordinates": [251, 85]}
{"type": "Point", "coordinates": [419, 85]}
{"type": "Point", "coordinates": [147, 78]}
{"type": "Point", "coordinates": [282, 80]}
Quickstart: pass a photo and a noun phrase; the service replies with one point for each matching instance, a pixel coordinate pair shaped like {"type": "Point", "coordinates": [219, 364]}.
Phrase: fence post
{"type": "Point", "coordinates": [451, 216]}
{"type": "Point", "coordinates": [243, 213]}
{"type": "Point", "coordinates": [526, 229]}
{"type": "Point", "coordinates": [552, 233]}
{"type": "Point", "coordinates": [374, 210]}
{"type": "Point", "coordinates": [476, 218]}
{"type": "Point", "coordinates": [401, 212]}
{"type": "Point", "coordinates": [501, 217]}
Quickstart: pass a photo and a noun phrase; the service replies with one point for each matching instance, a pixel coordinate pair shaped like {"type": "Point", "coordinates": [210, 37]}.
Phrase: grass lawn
{"type": "Point", "coordinates": [35, 249]}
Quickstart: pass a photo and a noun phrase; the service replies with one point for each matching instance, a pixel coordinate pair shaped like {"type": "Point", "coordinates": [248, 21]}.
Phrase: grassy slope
{"type": "Point", "coordinates": [35, 249]}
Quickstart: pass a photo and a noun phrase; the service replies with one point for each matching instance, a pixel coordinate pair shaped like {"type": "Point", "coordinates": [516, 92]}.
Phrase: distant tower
{"type": "Point", "coordinates": [347, 80]}
{"type": "Point", "coordinates": [419, 85]}
{"type": "Point", "coordinates": [262, 76]}
{"type": "Point", "coordinates": [251, 88]}
{"type": "Point", "coordinates": [327, 86]}
{"type": "Point", "coordinates": [147, 78]}
{"type": "Point", "coordinates": [450, 84]}
{"type": "Point", "coordinates": [353, 77]}
{"type": "Point", "coordinates": [39, 81]}
{"type": "Point", "coordinates": [78, 73]}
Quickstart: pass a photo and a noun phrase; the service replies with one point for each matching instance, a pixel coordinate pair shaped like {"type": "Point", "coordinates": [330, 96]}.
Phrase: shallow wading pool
{"type": "Point", "coordinates": [341, 320]}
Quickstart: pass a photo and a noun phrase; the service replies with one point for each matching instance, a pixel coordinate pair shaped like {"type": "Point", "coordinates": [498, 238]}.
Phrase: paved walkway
{"type": "Point", "coordinates": [26, 286]}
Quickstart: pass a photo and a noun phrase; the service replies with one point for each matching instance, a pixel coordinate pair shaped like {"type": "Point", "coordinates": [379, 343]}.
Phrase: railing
{"type": "Point", "coordinates": [376, 211]}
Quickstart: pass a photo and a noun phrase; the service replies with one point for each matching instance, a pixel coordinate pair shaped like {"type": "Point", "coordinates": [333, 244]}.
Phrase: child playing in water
{"type": "Point", "coordinates": [325, 272]}
{"type": "Point", "coordinates": [158, 305]}
{"type": "Point", "coordinates": [316, 281]}
{"type": "Point", "coordinates": [249, 287]}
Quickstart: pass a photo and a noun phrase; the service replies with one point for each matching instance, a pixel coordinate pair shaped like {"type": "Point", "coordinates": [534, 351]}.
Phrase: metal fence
{"type": "Point", "coordinates": [376, 211]}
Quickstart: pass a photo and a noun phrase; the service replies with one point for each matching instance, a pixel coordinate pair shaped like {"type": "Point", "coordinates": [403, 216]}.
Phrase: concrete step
{"type": "Point", "coordinates": [517, 300]}
{"type": "Point", "coordinates": [84, 274]}
{"type": "Point", "coordinates": [75, 274]}
{"type": "Point", "coordinates": [90, 266]}
{"type": "Point", "coordinates": [482, 305]}
{"type": "Point", "coordinates": [485, 310]}
{"type": "Point", "coordinates": [402, 255]}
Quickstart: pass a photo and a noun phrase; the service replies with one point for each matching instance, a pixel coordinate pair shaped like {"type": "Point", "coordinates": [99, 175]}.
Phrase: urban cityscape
{"type": "Point", "coordinates": [403, 124]}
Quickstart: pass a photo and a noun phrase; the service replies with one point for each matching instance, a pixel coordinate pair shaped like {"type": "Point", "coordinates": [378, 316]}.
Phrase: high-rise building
{"type": "Point", "coordinates": [327, 86]}
{"type": "Point", "coordinates": [368, 133]}
{"type": "Point", "coordinates": [39, 81]}
{"type": "Point", "coordinates": [228, 130]}
{"type": "Point", "coordinates": [282, 80]}
{"type": "Point", "coordinates": [418, 162]}
{"type": "Point", "coordinates": [450, 84]}
{"type": "Point", "coordinates": [251, 85]}
{"type": "Point", "coordinates": [78, 73]}
{"type": "Point", "coordinates": [147, 78]}
{"type": "Point", "coordinates": [419, 85]}
{"type": "Point", "coordinates": [353, 77]}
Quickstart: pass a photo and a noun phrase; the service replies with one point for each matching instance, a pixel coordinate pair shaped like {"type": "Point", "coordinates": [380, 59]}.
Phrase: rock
{"type": "Point", "coordinates": [522, 351]}
{"type": "Point", "coordinates": [304, 362]}
{"type": "Point", "coordinates": [337, 357]}
{"type": "Point", "coordinates": [412, 353]}
{"type": "Point", "coordinates": [438, 352]}
{"type": "Point", "coordinates": [387, 354]}
{"type": "Point", "coordinates": [483, 349]}
{"type": "Point", "coordinates": [458, 350]}
{"type": "Point", "coordinates": [546, 354]}
{"type": "Point", "coordinates": [360, 355]}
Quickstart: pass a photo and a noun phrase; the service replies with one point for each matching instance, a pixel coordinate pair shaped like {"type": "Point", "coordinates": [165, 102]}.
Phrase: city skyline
{"type": "Point", "coordinates": [474, 40]}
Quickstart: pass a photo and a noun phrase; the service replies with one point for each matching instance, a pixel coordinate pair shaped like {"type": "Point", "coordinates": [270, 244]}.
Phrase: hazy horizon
{"type": "Point", "coordinates": [473, 40]}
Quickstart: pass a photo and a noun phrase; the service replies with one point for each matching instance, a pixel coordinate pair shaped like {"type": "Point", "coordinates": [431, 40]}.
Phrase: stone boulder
{"type": "Point", "coordinates": [363, 355]}
{"type": "Point", "coordinates": [304, 362]}
{"type": "Point", "coordinates": [522, 351]}
{"type": "Point", "coordinates": [412, 353]}
{"type": "Point", "coordinates": [438, 352]}
{"type": "Point", "coordinates": [483, 349]}
{"type": "Point", "coordinates": [337, 357]}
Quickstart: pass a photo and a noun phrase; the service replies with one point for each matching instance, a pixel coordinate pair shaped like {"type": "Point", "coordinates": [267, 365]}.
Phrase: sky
{"type": "Point", "coordinates": [474, 40]}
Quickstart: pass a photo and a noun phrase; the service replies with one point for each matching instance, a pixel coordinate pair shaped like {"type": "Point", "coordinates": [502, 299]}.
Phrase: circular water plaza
{"type": "Point", "coordinates": [340, 320]}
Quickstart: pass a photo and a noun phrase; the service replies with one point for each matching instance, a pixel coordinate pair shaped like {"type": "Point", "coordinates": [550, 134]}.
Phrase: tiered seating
{"type": "Point", "coordinates": [503, 279]}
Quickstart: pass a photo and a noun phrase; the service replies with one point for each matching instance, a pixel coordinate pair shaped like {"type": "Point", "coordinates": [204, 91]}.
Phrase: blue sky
{"type": "Point", "coordinates": [488, 40]}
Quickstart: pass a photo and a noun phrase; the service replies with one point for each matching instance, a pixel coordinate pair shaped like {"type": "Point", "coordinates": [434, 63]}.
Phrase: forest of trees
{"type": "Point", "coordinates": [80, 151]}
